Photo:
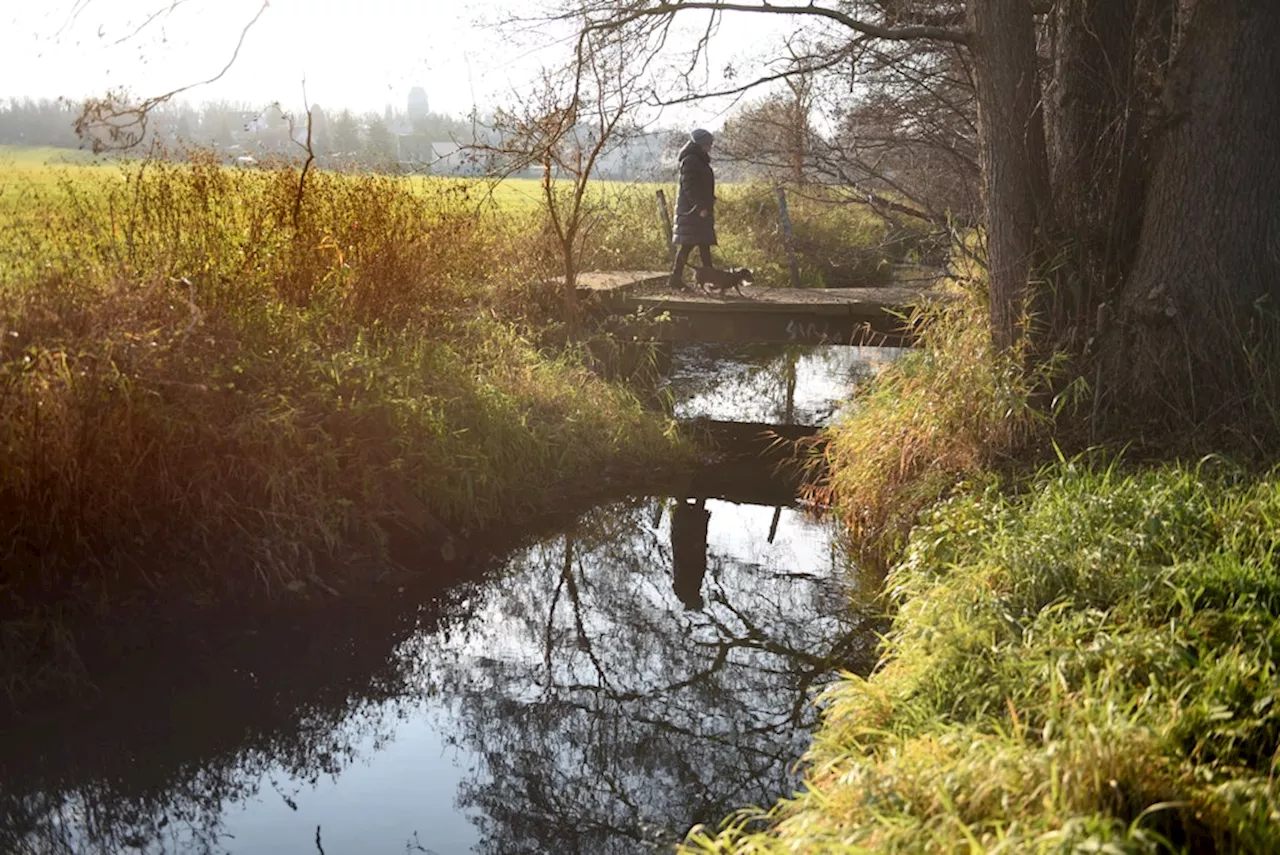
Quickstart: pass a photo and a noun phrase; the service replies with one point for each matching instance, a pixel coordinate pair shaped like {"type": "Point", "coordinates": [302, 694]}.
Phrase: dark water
{"type": "Point", "coordinates": [770, 384]}
{"type": "Point", "coordinates": [599, 690]}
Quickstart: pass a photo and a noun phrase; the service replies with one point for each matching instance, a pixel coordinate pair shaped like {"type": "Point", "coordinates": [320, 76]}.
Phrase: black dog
{"type": "Point", "coordinates": [723, 280]}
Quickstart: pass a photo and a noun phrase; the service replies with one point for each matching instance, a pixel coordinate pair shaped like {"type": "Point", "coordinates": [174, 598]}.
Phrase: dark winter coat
{"type": "Point", "coordinates": [697, 193]}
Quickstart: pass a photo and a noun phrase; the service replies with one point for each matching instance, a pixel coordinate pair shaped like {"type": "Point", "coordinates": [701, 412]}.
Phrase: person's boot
{"type": "Point", "coordinates": [676, 282]}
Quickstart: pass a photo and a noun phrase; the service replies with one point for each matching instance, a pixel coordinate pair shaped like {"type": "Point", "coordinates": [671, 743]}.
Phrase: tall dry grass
{"type": "Point", "coordinates": [207, 384]}
{"type": "Point", "coordinates": [946, 414]}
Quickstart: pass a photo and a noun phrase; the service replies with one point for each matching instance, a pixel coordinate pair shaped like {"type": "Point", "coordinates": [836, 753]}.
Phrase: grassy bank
{"type": "Point", "coordinates": [1086, 664]}
{"type": "Point", "coordinates": [1082, 659]}
{"type": "Point", "coordinates": [213, 384]}
{"type": "Point", "coordinates": [947, 413]}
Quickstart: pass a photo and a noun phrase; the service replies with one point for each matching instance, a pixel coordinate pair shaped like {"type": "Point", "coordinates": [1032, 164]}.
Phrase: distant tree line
{"type": "Point", "coordinates": [243, 130]}
{"type": "Point", "coordinates": [45, 122]}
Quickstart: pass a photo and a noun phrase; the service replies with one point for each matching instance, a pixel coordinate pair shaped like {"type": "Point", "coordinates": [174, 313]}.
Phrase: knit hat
{"type": "Point", "coordinates": [701, 137]}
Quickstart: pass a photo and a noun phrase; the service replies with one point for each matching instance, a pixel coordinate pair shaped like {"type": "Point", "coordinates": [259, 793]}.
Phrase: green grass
{"type": "Point", "coordinates": [39, 158]}
{"type": "Point", "coordinates": [1085, 665]}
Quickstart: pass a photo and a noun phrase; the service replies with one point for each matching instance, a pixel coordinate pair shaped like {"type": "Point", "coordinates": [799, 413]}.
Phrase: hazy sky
{"type": "Point", "coordinates": [362, 54]}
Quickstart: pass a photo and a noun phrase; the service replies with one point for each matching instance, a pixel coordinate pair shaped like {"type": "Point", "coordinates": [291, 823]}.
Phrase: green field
{"type": "Point", "coordinates": [42, 157]}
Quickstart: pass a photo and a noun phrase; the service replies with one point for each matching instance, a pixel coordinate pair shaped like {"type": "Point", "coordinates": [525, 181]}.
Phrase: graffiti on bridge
{"type": "Point", "coordinates": [809, 332]}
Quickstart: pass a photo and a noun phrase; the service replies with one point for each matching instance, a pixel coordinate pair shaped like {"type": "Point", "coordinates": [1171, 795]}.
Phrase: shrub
{"type": "Point", "coordinates": [947, 412]}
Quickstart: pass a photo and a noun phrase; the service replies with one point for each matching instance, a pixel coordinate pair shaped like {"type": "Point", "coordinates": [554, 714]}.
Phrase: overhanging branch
{"type": "Point", "coordinates": [103, 113]}
{"type": "Point", "coordinates": [798, 71]}
{"type": "Point", "coordinates": [810, 10]}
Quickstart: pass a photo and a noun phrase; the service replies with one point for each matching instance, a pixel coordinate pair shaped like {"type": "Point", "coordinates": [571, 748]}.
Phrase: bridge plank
{"type": "Point", "coordinates": [774, 315]}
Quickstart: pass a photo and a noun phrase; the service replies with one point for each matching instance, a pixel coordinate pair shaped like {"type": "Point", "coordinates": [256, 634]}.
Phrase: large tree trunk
{"type": "Point", "coordinates": [1015, 166]}
{"type": "Point", "coordinates": [1108, 56]}
{"type": "Point", "coordinates": [1194, 344]}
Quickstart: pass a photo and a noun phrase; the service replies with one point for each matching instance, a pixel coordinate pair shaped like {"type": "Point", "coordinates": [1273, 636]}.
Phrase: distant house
{"type": "Point", "coordinates": [644, 158]}
{"type": "Point", "coordinates": [414, 148]}
{"type": "Point", "coordinates": [450, 158]}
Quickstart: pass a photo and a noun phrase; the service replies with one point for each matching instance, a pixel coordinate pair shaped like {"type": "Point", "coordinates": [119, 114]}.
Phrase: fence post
{"type": "Point", "coordinates": [665, 217]}
{"type": "Point", "coordinates": [786, 237]}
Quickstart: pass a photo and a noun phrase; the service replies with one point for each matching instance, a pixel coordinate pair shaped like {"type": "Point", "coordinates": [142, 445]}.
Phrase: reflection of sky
{"type": "Point", "coordinates": [801, 545]}
{"type": "Point", "coordinates": [595, 691]}
{"type": "Point", "coordinates": [749, 384]}
{"type": "Point", "coordinates": [401, 792]}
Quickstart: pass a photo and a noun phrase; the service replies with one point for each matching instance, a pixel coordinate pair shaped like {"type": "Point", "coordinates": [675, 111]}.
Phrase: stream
{"type": "Point", "coordinates": [649, 664]}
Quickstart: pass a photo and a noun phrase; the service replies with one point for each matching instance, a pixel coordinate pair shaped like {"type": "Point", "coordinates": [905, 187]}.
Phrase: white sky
{"type": "Point", "coordinates": [362, 54]}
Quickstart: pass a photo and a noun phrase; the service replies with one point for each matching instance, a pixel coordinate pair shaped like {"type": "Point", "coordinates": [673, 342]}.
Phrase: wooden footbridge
{"type": "Point", "coordinates": [850, 316]}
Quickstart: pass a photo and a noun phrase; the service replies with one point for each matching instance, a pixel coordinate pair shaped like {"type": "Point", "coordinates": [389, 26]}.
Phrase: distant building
{"type": "Point", "coordinates": [646, 157]}
{"type": "Point", "coordinates": [415, 148]}
{"type": "Point", "coordinates": [449, 158]}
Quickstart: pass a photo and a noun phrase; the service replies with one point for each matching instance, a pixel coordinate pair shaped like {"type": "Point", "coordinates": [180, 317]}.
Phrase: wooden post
{"type": "Point", "coordinates": [788, 417]}
{"type": "Point", "coordinates": [665, 217]}
{"type": "Point", "coordinates": [786, 237]}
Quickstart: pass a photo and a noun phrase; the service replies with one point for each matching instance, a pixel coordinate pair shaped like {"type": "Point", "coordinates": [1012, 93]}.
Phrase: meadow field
{"type": "Point", "coordinates": [837, 243]}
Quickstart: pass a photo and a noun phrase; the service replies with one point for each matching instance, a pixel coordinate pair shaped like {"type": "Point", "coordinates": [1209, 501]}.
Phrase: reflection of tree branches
{"type": "Point", "coordinates": [750, 383]}
{"type": "Point", "coordinates": [657, 731]}
{"type": "Point", "coordinates": [551, 617]}
{"type": "Point", "coordinates": [670, 727]}
{"type": "Point", "coordinates": [584, 643]}
{"type": "Point", "coordinates": [755, 638]}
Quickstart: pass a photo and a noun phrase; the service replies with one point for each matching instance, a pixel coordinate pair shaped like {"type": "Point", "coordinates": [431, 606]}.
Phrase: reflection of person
{"type": "Point", "coordinates": [689, 551]}
{"type": "Point", "coordinates": [695, 204]}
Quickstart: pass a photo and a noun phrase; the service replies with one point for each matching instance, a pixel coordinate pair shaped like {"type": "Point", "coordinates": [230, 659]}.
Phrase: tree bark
{"type": "Point", "coordinates": [570, 285]}
{"type": "Point", "coordinates": [1096, 149]}
{"type": "Point", "coordinates": [1015, 164]}
{"type": "Point", "coordinates": [1193, 315]}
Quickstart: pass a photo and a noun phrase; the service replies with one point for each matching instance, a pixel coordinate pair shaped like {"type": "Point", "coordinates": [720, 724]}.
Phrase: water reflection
{"type": "Point", "coordinates": [647, 668]}
{"type": "Point", "coordinates": [773, 384]}
{"type": "Point", "coordinates": [633, 717]}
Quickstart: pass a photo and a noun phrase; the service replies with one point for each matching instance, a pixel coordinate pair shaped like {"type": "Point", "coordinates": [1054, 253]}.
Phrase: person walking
{"type": "Point", "coordinates": [695, 204]}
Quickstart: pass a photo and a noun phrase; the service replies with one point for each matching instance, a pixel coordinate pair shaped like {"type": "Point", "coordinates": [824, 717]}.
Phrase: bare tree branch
{"type": "Point", "coordinates": [165, 11]}
{"type": "Point", "coordinates": [126, 124]}
{"type": "Point", "coordinates": [796, 71]}
{"type": "Point", "coordinates": [311, 156]}
{"type": "Point", "coordinates": [618, 18]}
